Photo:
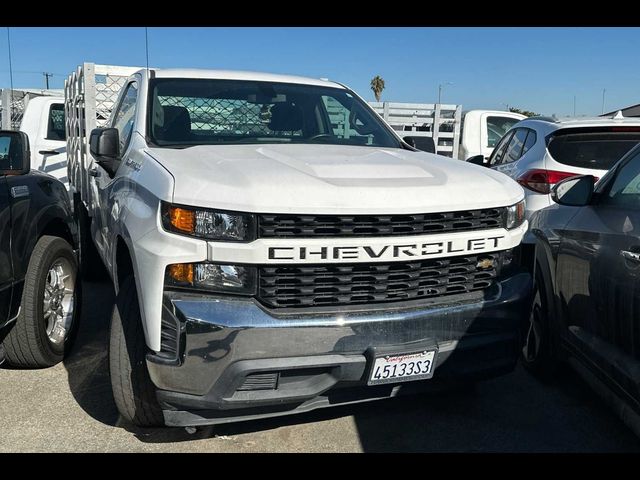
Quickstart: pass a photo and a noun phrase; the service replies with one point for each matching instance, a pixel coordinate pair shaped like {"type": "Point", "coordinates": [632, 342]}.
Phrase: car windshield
{"type": "Point", "coordinates": [597, 148]}
{"type": "Point", "coordinates": [186, 112]}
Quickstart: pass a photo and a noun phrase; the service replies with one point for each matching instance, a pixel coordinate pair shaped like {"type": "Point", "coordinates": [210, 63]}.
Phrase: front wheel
{"type": "Point", "coordinates": [133, 390]}
{"type": "Point", "coordinates": [50, 307]}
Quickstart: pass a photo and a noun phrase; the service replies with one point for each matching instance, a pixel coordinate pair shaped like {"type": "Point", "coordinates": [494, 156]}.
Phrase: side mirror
{"type": "Point", "coordinates": [426, 144]}
{"type": "Point", "coordinates": [575, 191]}
{"type": "Point", "coordinates": [104, 142]}
{"type": "Point", "coordinates": [15, 156]}
{"type": "Point", "coordinates": [104, 145]}
{"type": "Point", "coordinates": [477, 160]}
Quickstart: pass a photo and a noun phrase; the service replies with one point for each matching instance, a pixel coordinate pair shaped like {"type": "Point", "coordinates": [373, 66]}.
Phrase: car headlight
{"type": "Point", "coordinates": [214, 277]}
{"type": "Point", "coordinates": [515, 215]}
{"type": "Point", "coordinates": [209, 224]}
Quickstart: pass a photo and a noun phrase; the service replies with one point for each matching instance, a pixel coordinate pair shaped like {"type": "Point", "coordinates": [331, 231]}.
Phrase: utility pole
{"type": "Point", "coordinates": [574, 105]}
{"type": "Point", "coordinates": [603, 92]}
{"type": "Point", "coordinates": [46, 78]}
{"type": "Point", "coordinates": [440, 90]}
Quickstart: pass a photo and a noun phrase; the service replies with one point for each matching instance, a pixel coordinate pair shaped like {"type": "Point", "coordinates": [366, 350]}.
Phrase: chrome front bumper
{"type": "Point", "coordinates": [322, 350]}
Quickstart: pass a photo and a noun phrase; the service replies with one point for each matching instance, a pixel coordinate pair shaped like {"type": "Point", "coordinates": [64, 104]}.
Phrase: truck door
{"type": "Point", "coordinates": [6, 269]}
{"type": "Point", "coordinates": [50, 150]}
{"type": "Point", "coordinates": [122, 119]}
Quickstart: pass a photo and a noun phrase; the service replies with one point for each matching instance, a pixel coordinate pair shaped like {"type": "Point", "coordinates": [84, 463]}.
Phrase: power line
{"type": "Point", "coordinates": [36, 73]}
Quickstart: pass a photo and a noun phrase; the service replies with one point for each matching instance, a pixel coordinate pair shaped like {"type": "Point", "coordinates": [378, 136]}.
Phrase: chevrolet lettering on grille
{"type": "Point", "coordinates": [389, 251]}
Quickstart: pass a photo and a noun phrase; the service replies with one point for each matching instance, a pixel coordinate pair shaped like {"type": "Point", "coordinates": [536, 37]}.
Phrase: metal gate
{"type": "Point", "coordinates": [440, 121]}
{"type": "Point", "coordinates": [17, 99]}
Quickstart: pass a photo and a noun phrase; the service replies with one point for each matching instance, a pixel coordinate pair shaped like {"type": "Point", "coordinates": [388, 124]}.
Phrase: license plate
{"type": "Point", "coordinates": [402, 367]}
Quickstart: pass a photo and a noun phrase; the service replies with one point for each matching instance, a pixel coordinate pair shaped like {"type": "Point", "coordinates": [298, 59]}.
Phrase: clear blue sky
{"type": "Point", "coordinates": [539, 69]}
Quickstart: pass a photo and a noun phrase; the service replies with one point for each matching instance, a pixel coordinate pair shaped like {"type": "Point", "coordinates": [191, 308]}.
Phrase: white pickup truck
{"type": "Point", "coordinates": [268, 259]}
{"type": "Point", "coordinates": [482, 130]}
{"type": "Point", "coordinates": [44, 124]}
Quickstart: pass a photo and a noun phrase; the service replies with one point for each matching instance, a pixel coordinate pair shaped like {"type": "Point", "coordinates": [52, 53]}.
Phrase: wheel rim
{"type": "Point", "coordinates": [531, 348]}
{"type": "Point", "coordinates": [59, 293]}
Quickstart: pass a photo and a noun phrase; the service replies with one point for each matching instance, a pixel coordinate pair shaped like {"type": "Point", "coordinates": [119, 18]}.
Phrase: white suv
{"type": "Point", "coordinates": [539, 152]}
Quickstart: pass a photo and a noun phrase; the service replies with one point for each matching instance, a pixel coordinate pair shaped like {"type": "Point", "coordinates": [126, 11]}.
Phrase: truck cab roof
{"type": "Point", "coordinates": [241, 75]}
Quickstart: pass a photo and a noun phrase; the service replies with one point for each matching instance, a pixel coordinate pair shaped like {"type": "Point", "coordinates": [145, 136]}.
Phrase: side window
{"type": "Point", "coordinates": [625, 189]}
{"type": "Point", "coordinates": [514, 150]}
{"type": "Point", "coordinates": [348, 122]}
{"type": "Point", "coordinates": [10, 153]}
{"type": "Point", "coordinates": [530, 141]}
{"type": "Point", "coordinates": [55, 125]}
{"type": "Point", "coordinates": [5, 159]}
{"type": "Point", "coordinates": [497, 127]}
{"type": "Point", "coordinates": [125, 115]}
{"type": "Point", "coordinates": [498, 153]}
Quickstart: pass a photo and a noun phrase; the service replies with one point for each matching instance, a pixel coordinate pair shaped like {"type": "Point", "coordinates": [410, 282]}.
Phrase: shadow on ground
{"type": "Point", "coordinates": [86, 365]}
{"type": "Point", "coordinates": [507, 414]}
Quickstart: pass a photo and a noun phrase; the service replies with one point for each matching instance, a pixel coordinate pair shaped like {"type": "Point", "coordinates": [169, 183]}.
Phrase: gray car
{"type": "Point", "coordinates": [587, 285]}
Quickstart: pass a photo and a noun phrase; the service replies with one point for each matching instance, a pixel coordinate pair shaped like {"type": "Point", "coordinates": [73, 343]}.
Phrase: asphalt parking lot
{"type": "Point", "coordinates": [70, 408]}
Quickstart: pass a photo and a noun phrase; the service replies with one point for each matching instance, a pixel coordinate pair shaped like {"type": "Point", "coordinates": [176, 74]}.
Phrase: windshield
{"type": "Point", "coordinates": [187, 112]}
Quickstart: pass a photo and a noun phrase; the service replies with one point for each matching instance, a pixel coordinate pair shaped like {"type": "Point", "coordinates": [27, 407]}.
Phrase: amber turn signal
{"type": "Point", "coordinates": [181, 272]}
{"type": "Point", "coordinates": [182, 219]}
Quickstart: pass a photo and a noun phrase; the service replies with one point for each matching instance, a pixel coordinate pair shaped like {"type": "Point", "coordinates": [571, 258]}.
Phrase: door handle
{"type": "Point", "coordinates": [633, 256]}
{"type": "Point", "coordinates": [49, 152]}
{"type": "Point", "coordinates": [20, 191]}
{"type": "Point", "coordinates": [94, 172]}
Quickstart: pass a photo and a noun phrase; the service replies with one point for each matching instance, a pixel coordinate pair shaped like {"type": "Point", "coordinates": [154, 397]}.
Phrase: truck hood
{"type": "Point", "coordinates": [330, 179]}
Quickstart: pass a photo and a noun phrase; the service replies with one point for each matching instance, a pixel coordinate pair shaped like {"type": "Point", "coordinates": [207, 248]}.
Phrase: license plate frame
{"type": "Point", "coordinates": [390, 358]}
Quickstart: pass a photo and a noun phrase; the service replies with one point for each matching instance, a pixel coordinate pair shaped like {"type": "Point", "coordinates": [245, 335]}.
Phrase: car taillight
{"type": "Point", "coordinates": [541, 181]}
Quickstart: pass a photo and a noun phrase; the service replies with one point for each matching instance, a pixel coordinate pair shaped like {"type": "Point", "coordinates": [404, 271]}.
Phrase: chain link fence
{"type": "Point", "coordinates": [11, 117]}
{"type": "Point", "coordinates": [108, 87]}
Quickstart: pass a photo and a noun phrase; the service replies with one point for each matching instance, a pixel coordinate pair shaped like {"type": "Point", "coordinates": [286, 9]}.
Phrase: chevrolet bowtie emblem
{"type": "Point", "coordinates": [485, 263]}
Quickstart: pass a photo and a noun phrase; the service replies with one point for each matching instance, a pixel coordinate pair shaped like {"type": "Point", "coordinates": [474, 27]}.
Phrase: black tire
{"type": "Point", "coordinates": [91, 266]}
{"type": "Point", "coordinates": [133, 390]}
{"type": "Point", "coordinates": [539, 357]}
{"type": "Point", "coordinates": [27, 345]}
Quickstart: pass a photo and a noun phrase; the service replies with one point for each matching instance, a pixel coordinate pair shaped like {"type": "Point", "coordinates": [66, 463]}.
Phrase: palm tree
{"type": "Point", "coordinates": [377, 85]}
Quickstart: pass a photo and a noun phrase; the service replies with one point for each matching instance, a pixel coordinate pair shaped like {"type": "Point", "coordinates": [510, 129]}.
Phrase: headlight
{"type": "Point", "coordinates": [515, 215]}
{"type": "Point", "coordinates": [209, 224]}
{"type": "Point", "coordinates": [239, 279]}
